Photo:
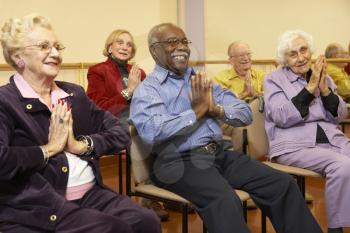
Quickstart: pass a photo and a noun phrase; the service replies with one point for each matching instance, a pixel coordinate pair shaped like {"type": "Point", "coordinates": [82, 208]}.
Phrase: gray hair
{"type": "Point", "coordinates": [285, 41]}
{"type": "Point", "coordinates": [14, 31]}
{"type": "Point", "coordinates": [332, 50]}
{"type": "Point", "coordinates": [153, 33]}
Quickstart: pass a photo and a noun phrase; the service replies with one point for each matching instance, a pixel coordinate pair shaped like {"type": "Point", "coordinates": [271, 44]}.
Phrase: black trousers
{"type": "Point", "coordinates": [207, 181]}
{"type": "Point", "coordinates": [100, 210]}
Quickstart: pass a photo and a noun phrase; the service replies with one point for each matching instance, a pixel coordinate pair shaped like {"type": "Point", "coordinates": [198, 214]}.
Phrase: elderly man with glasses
{"type": "Point", "coordinates": [176, 112]}
{"type": "Point", "coordinates": [241, 78]}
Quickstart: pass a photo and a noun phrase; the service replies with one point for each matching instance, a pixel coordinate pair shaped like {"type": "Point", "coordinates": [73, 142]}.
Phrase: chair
{"type": "Point", "coordinates": [120, 168]}
{"type": "Point", "coordinates": [140, 159]}
{"type": "Point", "coordinates": [258, 146]}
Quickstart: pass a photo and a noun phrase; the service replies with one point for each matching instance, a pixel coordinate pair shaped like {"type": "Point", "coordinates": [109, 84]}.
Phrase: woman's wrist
{"type": "Point", "coordinates": [87, 144]}
{"type": "Point", "coordinates": [325, 92]}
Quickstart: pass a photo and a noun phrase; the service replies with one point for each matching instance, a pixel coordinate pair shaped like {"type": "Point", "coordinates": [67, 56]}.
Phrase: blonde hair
{"type": "Point", "coordinates": [111, 39]}
{"type": "Point", "coordinates": [14, 31]}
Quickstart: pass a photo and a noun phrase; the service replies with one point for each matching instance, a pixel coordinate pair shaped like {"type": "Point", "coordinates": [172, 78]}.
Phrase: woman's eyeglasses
{"type": "Point", "coordinates": [47, 47]}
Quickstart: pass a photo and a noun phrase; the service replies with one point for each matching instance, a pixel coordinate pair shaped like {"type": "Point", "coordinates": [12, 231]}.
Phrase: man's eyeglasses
{"type": "Point", "coordinates": [241, 56]}
{"type": "Point", "coordinates": [47, 47]}
{"type": "Point", "coordinates": [173, 42]}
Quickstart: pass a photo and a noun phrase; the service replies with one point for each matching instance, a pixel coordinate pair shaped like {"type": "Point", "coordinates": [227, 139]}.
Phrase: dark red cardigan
{"type": "Point", "coordinates": [105, 85]}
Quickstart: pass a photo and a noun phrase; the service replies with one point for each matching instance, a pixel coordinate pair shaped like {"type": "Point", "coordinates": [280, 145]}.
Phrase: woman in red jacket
{"type": "Point", "coordinates": [111, 83]}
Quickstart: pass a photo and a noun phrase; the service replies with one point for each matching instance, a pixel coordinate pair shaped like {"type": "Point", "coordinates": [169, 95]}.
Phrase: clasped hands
{"type": "Point", "coordinates": [61, 136]}
{"type": "Point", "coordinates": [248, 90]}
{"type": "Point", "coordinates": [318, 79]}
{"type": "Point", "coordinates": [202, 97]}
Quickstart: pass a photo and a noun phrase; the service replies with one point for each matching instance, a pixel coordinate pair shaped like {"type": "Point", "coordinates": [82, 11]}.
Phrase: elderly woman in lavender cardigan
{"type": "Point", "coordinates": [303, 111]}
{"type": "Point", "coordinates": [49, 173]}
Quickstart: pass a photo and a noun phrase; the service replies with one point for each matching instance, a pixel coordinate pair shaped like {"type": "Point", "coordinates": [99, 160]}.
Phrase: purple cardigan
{"type": "Point", "coordinates": [287, 131]}
{"type": "Point", "coordinates": [31, 192]}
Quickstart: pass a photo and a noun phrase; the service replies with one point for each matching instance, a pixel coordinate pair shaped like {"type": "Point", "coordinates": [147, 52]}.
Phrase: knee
{"type": "Point", "coordinates": [111, 224]}
{"type": "Point", "coordinates": [147, 221]}
{"type": "Point", "coordinates": [341, 170]}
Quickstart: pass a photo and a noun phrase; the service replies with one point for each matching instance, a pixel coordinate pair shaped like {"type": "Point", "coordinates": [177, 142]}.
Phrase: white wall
{"type": "Point", "coordinates": [259, 23]}
{"type": "Point", "coordinates": [83, 26]}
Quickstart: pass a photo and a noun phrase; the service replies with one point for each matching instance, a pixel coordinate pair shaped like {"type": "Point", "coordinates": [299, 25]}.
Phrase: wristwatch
{"type": "Point", "coordinates": [125, 94]}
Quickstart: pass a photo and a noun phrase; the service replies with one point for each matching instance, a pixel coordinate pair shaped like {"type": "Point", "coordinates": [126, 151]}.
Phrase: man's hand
{"type": "Point", "coordinates": [248, 90]}
{"type": "Point", "coordinates": [201, 94]}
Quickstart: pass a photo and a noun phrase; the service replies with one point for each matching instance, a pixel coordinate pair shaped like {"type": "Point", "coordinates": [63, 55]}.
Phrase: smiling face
{"type": "Point", "coordinates": [240, 57]}
{"type": "Point", "coordinates": [299, 56]}
{"type": "Point", "coordinates": [171, 50]}
{"type": "Point", "coordinates": [40, 54]}
{"type": "Point", "coordinates": [122, 47]}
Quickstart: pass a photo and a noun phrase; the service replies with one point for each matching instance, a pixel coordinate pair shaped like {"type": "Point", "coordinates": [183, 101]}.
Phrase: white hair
{"type": "Point", "coordinates": [285, 42]}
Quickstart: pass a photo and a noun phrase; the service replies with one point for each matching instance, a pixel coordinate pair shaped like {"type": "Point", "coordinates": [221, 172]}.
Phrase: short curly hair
{"type": "Point", "coordinates": [113, 36]}
{"type": "Point", "coordinates": [285, 42]}
{"type": "Point", "coordinates": [14, 31]}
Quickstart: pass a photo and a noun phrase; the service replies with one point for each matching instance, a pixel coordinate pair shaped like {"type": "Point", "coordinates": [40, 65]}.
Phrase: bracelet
{"type": "Point", "coordinates": [87, 140]}
{"type": "Point", "coordinates": [126, 94]}
{"type": "Point", "coordinates": [46, 155]}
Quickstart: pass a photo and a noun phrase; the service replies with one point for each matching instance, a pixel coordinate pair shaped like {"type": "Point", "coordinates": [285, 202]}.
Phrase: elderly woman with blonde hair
{"type": "Point", "coordinates": [111, 83]}
{"type": "Point", "coordinates": [51, 137]}
{"type": "Point", "coordinates": [302, 116]}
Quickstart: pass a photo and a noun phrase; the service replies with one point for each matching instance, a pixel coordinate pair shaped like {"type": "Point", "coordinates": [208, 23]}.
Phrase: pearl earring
{"type": "Point", "coordinates": [109, 50]}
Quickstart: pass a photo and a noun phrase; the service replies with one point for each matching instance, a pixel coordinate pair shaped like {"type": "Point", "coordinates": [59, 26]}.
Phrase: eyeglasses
{"type": "Point", "coordinates": [241, 56]}
{"type": "Point", "coordinates": [295, 54]}
{"type": "Point", "coordinates": [47, 47]}
{"type": "Point", "coordinates": [174, 42]}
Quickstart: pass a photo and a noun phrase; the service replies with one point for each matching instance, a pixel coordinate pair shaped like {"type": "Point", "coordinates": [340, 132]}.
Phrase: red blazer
{"type": "Point", "coordinates": [347, 68]}
{"type": "Point", "coordinates": [105, 85]}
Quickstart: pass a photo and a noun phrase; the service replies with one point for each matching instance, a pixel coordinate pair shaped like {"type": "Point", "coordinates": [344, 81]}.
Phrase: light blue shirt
{"type": "Point", "coordinates": [162, 113]}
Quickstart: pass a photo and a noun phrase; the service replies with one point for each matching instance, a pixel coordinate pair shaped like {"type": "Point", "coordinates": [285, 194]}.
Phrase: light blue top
{"type": "Point", "coordinates": [162, 113]}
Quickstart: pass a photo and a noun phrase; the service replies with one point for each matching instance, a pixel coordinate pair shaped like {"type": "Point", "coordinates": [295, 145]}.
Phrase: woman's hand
{"type": "Point", "coordinates": [323, 85]}
{"type": "Point", "coordinates": [134, 78]}
{"type": "Point", "coordinates": [315, 78]}
{"type": "Point", "coordinates": [74, 146]}
{"type": "Point", "coordinates": [58, 131]}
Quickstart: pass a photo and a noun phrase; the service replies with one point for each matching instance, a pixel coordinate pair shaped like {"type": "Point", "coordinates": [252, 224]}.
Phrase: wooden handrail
{"type": "Point", "coordinates": [85, 65]}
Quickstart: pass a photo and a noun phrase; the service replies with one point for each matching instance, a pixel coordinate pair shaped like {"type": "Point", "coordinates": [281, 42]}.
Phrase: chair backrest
{"type": "Point", "coordinates": [256, 134]}
{"type": "Point", "coordinates": [140, 155]}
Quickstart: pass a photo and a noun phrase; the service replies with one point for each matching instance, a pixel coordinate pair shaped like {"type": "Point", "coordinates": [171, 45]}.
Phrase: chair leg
{"type": "Point", "coordinates": [263, 221]}
{"type": "Point", "coordinates": [184, 218]}
{"type": "Point", "coordinates": [204, 228]}
{"type": "Point", "coordinates": [245, 214]}
{"type": "Point", "coordinates": [120, 169]}
{"type": "Point", "coordinates": [128, 173]}
{"type": "Point", "coordinates": [301, 184]}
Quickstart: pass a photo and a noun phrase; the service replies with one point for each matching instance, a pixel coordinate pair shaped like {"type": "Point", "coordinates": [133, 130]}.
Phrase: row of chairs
{"type": "Point", "coordinates": [139, 160]}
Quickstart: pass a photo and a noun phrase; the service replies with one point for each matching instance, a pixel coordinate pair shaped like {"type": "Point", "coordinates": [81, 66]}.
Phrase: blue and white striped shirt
{"type": "Point", "coordinates": [162, 113]}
